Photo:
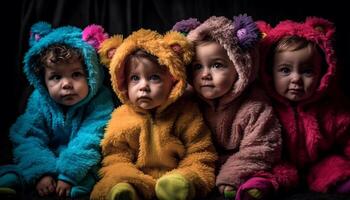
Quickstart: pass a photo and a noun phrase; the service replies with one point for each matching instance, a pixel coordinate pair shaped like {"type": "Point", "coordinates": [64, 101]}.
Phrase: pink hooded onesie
{"type": "Point", "coordinates": [316, 132]}
{"type": "Point", "coordinates": [245, 129]}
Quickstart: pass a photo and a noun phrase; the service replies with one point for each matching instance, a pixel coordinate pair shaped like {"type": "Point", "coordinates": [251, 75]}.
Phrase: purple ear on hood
{"type": "Point", "coordinates": [246, 31]}
{"type": "Point", "coordinates": [185, 26]}
{"type": "Point", "coordinates": [94, 35]}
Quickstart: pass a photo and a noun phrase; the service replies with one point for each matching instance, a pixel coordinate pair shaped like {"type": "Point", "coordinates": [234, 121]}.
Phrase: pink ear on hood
{"type": "Point", "coordinates": [321, 25]}
{"type": "Point", "coordinates": [94, 35]}
{"type": "Point", "coordinates": [264, 27]}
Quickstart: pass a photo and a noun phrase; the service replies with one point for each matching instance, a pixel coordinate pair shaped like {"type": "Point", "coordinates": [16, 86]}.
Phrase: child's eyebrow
{"type": "Point", "coordinates": [77, 69]}
{"type": "Point", "coordinates": [131, 73]}
{"type": "Point", "coordinates": [52, 71]}
{"type": "Point", "coordinates": [221, 59]}
{"type": "Point", "coordinates": [283, 64]}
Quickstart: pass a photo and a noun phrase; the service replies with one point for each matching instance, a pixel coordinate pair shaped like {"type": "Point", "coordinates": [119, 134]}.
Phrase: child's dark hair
{"type": "Point", "coordinates": [140, 53]}
{"type": "Point", "coordinates": [203, 41]}
{"type": "Point", "coordinates": [291, 43]}
{"type": "Point", "coordinates": [207, 39]}
{"type": "Point", "coordinates": [57, 54]}
{"type": "Point", "coordinates": [294, 43]}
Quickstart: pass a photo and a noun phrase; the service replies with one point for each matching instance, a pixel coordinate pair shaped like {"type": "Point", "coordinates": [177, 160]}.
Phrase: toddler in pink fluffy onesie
{"type": "Point", "coordinates": [299, 73]}
{"type": "Point", "coordinates": [245, 130]}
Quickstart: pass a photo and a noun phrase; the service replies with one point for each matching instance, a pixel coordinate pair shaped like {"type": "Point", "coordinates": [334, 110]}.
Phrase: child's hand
{"type": "Point", "coordinates": [63, 189]}
{"type": "Point", "coordinates": [46, 185]}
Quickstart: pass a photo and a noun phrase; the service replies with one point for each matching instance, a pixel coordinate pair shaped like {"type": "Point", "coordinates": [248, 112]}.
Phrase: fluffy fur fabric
{"type": "Point", "coordinates": [48, 140]}
{"type": "Point", "coordinates": [315, 131]}
{"type": "Point", "coordinates": [140, 147]}
{"type": "Point", "coordinates": [245, 129]}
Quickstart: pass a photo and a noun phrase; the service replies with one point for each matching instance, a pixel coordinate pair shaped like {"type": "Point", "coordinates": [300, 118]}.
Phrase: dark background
{"type": "Point", "coordinates": [125, 16]}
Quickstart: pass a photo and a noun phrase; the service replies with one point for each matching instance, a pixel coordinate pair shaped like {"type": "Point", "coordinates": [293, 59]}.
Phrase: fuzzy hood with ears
{"type": "Point", "coordinates": [172, 50]}
{"type": "Point", "coordinates": [238, 38]}
{"type": "Point", "coordinates": [316, 30]}
{"type": "Point", "coordinates": [42, 35]}
{"type": "Point", "coordinates": [315, 131]}
{"type": "Point", "coordinates": [48, 139]}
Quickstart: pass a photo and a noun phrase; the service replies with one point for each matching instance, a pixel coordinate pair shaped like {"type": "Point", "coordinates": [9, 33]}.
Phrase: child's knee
{"type": "Point", "coordinates": [9, 180]}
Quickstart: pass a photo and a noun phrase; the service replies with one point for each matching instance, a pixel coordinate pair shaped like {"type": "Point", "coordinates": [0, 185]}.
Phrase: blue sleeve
{"type": "Point", "coordinates": [30, 140]}
{"type": "Point", "coordinates": [83, 151]}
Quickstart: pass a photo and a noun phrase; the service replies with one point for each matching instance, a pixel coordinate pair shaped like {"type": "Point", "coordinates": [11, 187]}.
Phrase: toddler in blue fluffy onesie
{"type": "Point", "coordinates": [56, 140]}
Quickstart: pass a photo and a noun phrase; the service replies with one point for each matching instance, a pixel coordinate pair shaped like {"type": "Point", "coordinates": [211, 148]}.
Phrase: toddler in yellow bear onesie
{"type": "Point", "coordinates": [156, 144]}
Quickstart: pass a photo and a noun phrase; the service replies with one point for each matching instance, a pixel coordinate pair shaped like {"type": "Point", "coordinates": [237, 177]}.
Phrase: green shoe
{"type": "Point", "coordinates": [122, 191]}
{"type": "Point", "coordinates": [174, 187]}
{"type": "Point", "coordinates": [229, 194]}
{"type": "Point", "coordinates": [9, 191]}
{"type": "Point", "coordinates": [255, 193]}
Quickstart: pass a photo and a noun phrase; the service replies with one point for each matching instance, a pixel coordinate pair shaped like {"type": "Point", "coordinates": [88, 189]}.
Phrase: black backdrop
{"type": "Point", "coordinates": [125, 16]}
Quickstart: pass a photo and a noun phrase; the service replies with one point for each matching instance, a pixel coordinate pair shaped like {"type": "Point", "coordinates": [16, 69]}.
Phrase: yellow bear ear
{"type": "Point", "coordinates": [108, 47]}
{"type": "Point", "coordinates": [180, 45]}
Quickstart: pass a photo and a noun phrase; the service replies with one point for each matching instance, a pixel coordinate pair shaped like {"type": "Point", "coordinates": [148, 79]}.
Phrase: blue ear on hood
{"type": "Point", "coordinates": [39, 30]}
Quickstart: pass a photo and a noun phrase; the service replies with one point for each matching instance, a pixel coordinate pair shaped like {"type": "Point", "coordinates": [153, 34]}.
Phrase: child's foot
{"type": "Point", "coordinates": [8, 181]}
{"type": "Point", "coordinates": [174, 187]}
{"type": "Point", "coordinates": [255, 189]}
{"type": "Point", "coordinates": [122, 191]}
{"type": "Point", "coordinates": [255, 193]}
{"type": "Point", "coordinates": [9, 191]}
{"type": "Point", "coordinates": [228, 191]}
{"type": "Point", "coordinates": [229, 194]}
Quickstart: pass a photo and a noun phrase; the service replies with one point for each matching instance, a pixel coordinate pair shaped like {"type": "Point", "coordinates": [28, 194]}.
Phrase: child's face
{"type": "Point", "coordinates": [296, 74]}
{"type": "Point", "coordinates": [67, 83]}
{"type": "Point", "coordinates": [148, 84]}
{"type": "Point", "coordinates": [213, 72]}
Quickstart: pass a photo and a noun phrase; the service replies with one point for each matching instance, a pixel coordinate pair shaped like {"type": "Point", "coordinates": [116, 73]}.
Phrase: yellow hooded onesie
{"type": "Point", "coordinates": [139, 148]}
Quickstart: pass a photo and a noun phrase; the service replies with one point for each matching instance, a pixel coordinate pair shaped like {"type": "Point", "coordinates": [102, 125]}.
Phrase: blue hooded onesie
{"type": "Point", "coordinates": [49, 141]}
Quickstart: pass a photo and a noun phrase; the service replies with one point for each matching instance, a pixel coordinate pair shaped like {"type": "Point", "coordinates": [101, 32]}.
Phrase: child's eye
{"type": "Point", "coordinates": [217, 65]}
{"type": "Point", "coordinates": [196, 67]}
{"type": "Point", "coordinates": [134, 78]}
{"type": "Point", "coordinates": [55, 77]}
{"type": "Point", "coordinates": [77, 74]}
{"type": "Point", "coordinates": [284, 70]}
{"type": "Point", "coordinates": [154, 77]}
{"type": "Point", "coordinates": [308, 72]}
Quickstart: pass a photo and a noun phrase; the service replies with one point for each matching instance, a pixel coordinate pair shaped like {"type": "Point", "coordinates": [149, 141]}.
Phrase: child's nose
{"type": "Point", "coordinates": [206, 75]}
{"type": "Point", "coordinates": [144, 86]}
{"type": "Point", "coordinates": [296, 77]}
{"type": "Point", "coordinates": [67, 83]}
